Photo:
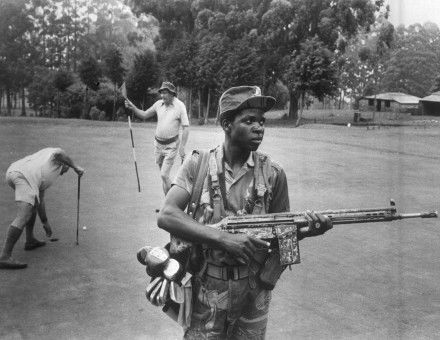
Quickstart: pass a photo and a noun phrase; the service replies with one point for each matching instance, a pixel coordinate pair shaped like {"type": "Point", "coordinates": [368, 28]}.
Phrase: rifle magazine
{"type": "Point", "coordinates": [288, 244]}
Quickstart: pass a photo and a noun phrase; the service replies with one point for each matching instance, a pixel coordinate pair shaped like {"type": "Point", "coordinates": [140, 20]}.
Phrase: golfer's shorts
{"type": "Point", "coordinates": [165, 155]}
{"type": "Point", "coordinates": [23, 190]}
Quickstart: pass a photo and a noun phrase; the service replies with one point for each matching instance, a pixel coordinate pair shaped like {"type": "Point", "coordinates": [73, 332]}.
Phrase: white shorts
{"type": "Point", "coordinates": [22, 188]}
{"type": "Point", "coordinates": [165, 155]}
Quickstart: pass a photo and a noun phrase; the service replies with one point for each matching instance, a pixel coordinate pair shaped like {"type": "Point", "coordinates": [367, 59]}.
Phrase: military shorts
{"type": "Point", "coordinates": [228, 309]}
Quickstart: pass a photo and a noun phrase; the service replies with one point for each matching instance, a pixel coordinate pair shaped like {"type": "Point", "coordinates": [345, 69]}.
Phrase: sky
{"type": "Point", "coordinates": [408, 12]}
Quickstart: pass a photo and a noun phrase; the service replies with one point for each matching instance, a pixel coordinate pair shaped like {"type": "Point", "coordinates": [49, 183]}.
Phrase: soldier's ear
{"type": "Point", "coordinates": [226, 125]}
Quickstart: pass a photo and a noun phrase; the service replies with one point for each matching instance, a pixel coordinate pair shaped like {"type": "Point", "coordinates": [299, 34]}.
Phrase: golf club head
{"type": "Point", "coordinates": [142, 254]}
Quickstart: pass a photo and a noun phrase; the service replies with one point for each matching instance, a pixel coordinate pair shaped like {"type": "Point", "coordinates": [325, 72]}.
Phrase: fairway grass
{"type": "Point", "coordinates": [370, 281]}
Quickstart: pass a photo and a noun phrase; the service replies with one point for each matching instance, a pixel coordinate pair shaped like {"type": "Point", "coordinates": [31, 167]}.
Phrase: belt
{"type": "Point", "coordinates": [166, 141]}
{"type": "Point", "coordinates": [226, 273]}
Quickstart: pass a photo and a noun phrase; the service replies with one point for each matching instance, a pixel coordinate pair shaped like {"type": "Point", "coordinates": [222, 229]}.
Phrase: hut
{"type": "Point", "coordinates": [396, 102]}
{"type": "Point", "coordinates": [430, 105]}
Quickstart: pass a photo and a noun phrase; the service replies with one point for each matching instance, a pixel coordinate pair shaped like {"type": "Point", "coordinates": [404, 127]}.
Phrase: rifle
{"type": "Point", "coordinates": [281, 229]}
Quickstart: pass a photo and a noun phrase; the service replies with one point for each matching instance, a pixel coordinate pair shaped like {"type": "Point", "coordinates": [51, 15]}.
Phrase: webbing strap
{"type": "Point", "coordinates": [202, 168]}
{"type": "Point", "coordinates": [259, 185]}
{"type": "Point", "coordinates": [216, 195]}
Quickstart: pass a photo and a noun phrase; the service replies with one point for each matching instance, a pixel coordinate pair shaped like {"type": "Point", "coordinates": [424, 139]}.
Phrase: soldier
{"type": "Point", "coordinates": [29, 178]}
{"type": "Point", "coordinates": [171, 114]}
{"type": "Point", "coordinates": [229, 300]}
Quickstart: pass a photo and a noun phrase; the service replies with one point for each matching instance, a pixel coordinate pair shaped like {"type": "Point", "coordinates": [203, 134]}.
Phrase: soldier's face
{"type": "Point", "coordinates": [247, 129]}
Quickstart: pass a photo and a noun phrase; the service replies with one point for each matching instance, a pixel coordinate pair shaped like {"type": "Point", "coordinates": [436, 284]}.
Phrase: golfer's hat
{"type": "Point", "coordinates": [166, 85]}
{"type": "Point", "coordinates": [238, 98]}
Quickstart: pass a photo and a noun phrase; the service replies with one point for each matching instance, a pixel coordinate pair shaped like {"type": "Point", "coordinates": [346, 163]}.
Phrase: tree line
{"type": "Point", "coordinates": [69, 57]}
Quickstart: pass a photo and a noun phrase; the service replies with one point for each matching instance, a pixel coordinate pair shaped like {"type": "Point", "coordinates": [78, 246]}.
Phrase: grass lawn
{"type": "Point", "coordinates": [370, 281]}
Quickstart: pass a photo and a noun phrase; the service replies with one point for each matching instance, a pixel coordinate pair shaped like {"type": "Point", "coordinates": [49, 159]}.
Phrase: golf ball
{"type": "Point", "coordinates": [84, 228]}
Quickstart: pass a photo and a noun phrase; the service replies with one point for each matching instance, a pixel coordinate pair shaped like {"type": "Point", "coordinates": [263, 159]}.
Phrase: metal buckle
{"type": "Point", "coordinates": [261, 190]}
{"type": "Point", "coordinates": [229, 273]}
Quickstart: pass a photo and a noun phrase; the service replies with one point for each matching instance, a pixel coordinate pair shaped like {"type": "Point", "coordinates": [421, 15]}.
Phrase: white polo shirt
{"type": "Point", "coordinates": [169, 118]}
{"type": "Point", "coordinates": [40, 169]}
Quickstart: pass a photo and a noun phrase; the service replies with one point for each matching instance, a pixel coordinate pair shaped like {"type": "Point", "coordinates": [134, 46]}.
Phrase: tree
{"type": "Point", "coordinates": [363, 62]}
{"type": "Point", "coordinates": [313, 72]}
{"type": "Point", "coordinates": [288, 24]}
{"type": "Point", "coordinates": [179, 65]}
{"type": "Point", "coordinates": [15, 48]}
{"type": "Point", "coordinates": [242, 65]}
{"type": "Point", "coordinates": [414, 65]}
{"type": "Point", "coordinates": [210, 60]}
{"type": "Point", "coordinates": [114, 70]}
{"type": "Point", "coordinates": [90, 73]}
{"type": "Point", "coordinates": [436, 86]}
{"type": "Point", "coordinates": [62, 79]}
{"type": "Point", "coordinates": [144, 74]}
{"type": "Point", "coordinates": [42, 91]}
{"type": "Point", "coordinates": [278, 28]}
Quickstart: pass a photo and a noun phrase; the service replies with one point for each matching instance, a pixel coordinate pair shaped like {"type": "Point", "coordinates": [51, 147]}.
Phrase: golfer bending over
{"type": "Point", "coordinates": [30, 177]}
{"type": "Point", "coordinates": [171, 114]}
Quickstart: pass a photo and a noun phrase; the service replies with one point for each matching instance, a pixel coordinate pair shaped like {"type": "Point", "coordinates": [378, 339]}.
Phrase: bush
{"type": "Point", "coordinates": [65, 111]}
{"type": "Point", "coordinates": [104, 100]}
{"type": "Point", "coordinates": [73, 98]}
{"type": "Point", "coordinates": [97, 114]}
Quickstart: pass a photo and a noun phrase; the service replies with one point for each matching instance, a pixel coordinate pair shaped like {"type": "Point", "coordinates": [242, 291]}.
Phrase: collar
{"type": "Point", "coordinates": [220, 155]}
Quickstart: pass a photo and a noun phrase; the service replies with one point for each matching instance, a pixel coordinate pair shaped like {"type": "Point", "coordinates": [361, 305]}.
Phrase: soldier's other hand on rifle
{"type": "Point", "coordinates": [318, 224]}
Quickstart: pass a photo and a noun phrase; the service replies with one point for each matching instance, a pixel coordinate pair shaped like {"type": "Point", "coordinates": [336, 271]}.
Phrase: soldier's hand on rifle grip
{"type": "Point", "coordinates": [318, 224]}
{"type": "Point", "coordinates": [243, 247]}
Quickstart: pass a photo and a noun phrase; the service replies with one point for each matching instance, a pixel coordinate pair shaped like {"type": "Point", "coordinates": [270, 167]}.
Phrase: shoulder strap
{"type": "Point", "coordinates": [215, 191]}
{"type": "Point", "coordinates": [201, 171]}
{"type": "Point", "coordinates": [262, 188]}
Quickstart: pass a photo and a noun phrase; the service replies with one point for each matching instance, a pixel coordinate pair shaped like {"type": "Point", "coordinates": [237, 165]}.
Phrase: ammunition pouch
{"type": "Point", "coordinates": [271, 271]}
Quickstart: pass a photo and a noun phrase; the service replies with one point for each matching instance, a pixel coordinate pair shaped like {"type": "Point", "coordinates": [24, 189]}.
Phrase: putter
{"type": "Point", "coordinates": [77, 209]}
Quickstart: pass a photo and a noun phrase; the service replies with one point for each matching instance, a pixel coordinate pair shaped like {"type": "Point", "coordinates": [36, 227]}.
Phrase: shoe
{"type": "Point", "coordinates": [34, 244]}
{"type": "Point", "coordinates": [11, 264]}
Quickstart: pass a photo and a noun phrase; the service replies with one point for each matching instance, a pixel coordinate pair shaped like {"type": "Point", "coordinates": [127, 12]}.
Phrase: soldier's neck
{"type": "Point", "coordinates": [234, 155]}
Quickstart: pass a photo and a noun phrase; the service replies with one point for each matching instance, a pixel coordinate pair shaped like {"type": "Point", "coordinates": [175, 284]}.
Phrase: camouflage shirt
{"type": "Point", "coordinates": [240, 192]}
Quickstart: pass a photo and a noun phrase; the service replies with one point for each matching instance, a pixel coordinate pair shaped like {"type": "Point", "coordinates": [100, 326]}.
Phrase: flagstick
{"type": "Point", "coordinates": [134, 154]}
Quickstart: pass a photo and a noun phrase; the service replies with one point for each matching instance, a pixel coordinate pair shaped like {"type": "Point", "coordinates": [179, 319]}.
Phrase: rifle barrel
{"type": "Point", "coordinates": [429, 214]}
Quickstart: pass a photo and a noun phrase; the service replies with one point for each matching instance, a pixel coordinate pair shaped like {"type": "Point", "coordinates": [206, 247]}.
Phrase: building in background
{"type": "Point", "coordinates": [396, 102]}
{"type": "Point", "coordinates": [430, 105]}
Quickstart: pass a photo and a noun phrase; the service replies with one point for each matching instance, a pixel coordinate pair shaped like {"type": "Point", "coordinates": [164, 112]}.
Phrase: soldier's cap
{"type": "Point", "coordinates": [235, 99]}
{"type": "Point", "coordinates": [166, 85]}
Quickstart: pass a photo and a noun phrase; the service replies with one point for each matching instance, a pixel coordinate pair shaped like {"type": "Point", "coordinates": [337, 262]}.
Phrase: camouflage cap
{"type": "Point", "coordinates": [243, 97]}
{"type": "Point", "coordinates": [166, 85]}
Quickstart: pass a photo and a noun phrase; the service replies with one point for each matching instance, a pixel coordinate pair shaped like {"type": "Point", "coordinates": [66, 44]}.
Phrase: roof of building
{"type": "Point", "coordinates": [399, 97]}
{"type": "Point", "coordinates": [434, 97]}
